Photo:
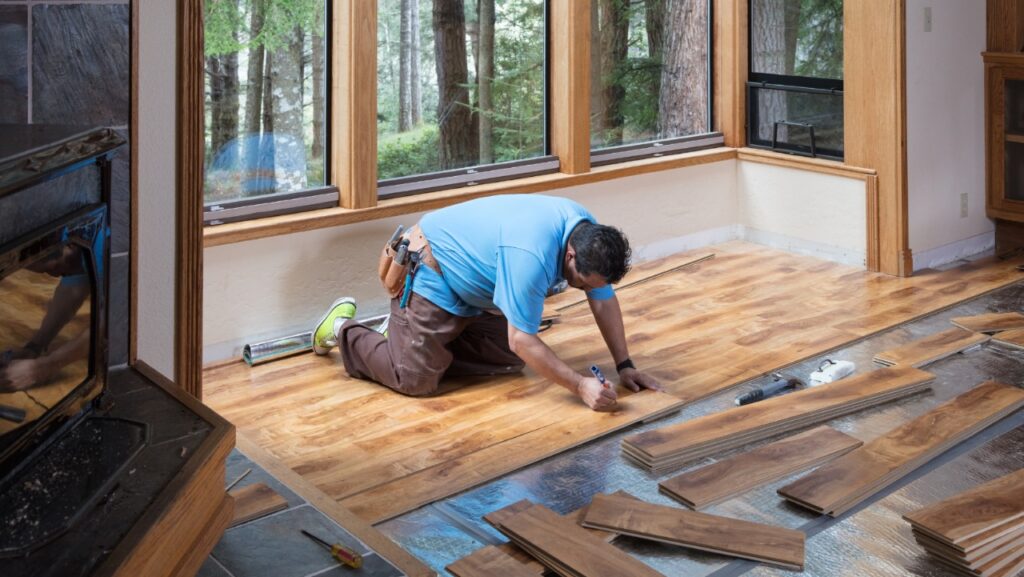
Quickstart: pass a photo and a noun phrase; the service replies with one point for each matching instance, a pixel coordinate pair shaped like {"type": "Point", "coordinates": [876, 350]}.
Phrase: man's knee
{"type": "Point", "coordinates": [417, 384]}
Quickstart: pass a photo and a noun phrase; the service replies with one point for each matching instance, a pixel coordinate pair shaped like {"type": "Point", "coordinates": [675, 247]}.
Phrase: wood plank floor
{"type": "Point", "coordinates": [701, 329]}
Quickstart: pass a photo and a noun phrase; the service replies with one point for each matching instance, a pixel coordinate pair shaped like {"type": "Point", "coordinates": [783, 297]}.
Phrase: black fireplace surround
{"type": "Point", "coordinates": [84, 450]}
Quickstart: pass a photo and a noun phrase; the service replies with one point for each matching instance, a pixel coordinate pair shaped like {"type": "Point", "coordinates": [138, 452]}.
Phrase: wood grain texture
{"type": "Point", "coordinates": [723, 535]}
{"type": "Point", "coordinates": [818, 165]}
{"type": "Point", "coordinates": [874, 105]}
{"type": "Point", "coordinates": [990, 323]}
{"type": "Point", "coordinates": [353, 93]}
{"type": "Point", "coordinates": [1014, 338]}
{"type": "Point", "coordinates": [669, 447]}
{"type": "Point", "coordinates": [488, 562]}
{"type": "Point", "coordinates": [842, 484]}
{"type": "Point", "coordinates": [255, 501]}
{"type": "Point", "coordinates": [761, 308]}
{"type": "Point", "coordinates": [730, 72]}
{"type": "Point", "coordinates": [727, 478]}
{"type": "Point", "coordinates": [1005, 23]}
{"type": "Point", "coordinates": [931, 348]}
{"type": "Point", "coordinates": [972, 512]}
{"type": "Point", "coordinates": [569, 550]}
{"type": "Point", "coordinates": [569, 71]}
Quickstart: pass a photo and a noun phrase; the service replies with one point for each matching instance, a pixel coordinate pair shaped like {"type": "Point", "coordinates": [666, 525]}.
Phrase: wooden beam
{"type": "Point", "coordinates": [353, 95]}
{"type": "Point", "coordinates": [570, 84]}
{"type": "Point", "coordinates": [191, 148]}
{"type": "Point", "coordinates": [1005, 25]}
{"type": "Point", "coordinates": [875, 118]}
{"type": "Point", "coordinates": [730, 70]}
{"type": "Point", "coordinates": [133, 161]}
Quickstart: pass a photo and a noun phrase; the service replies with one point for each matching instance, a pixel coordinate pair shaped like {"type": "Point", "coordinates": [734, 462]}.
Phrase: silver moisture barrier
{"type": "Point", "coordinates": [258, 353]}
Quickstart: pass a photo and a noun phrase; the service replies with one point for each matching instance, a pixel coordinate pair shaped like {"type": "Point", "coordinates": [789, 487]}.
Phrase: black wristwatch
{"type": "Point", "coordinates": [626, 364]}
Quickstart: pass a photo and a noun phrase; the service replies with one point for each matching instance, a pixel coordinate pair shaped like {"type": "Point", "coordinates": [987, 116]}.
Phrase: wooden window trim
{"type": "Point", "coordinates": [819, 165]}
{"type": "Point", "coordinates": [353, 101]}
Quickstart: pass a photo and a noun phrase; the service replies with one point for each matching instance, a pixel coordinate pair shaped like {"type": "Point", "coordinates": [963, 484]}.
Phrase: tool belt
{"type": "Point", "coordinates": [400, 258]}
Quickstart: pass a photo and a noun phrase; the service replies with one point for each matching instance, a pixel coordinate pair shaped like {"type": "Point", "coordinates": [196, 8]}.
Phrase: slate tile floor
{"type": "Point", "coordinates": [273, 546]}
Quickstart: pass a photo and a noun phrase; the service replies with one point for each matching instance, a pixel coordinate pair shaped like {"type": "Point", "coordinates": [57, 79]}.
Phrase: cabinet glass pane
{"type": "Point", "coordinates": [1015, 107]}
{"type": "Point", "coordinates": [1014, 171]}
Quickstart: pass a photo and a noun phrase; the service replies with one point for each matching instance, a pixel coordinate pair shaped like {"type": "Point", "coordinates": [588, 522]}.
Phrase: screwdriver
{"type": "Point", "coordinates": [340, 552]}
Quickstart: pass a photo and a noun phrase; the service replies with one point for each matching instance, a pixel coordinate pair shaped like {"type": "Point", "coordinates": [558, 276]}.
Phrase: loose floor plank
{"type": "Point", "coordinates": [669, 447]}
{"type": "Point", "coordinates": [973, 512]}
{"type": "Point", "coordinates": [727, 478]}
{"type": "Point", "coordinates": [568, 549]}
{"type": "Point", "coordinates": [931, 348]}
{"type": "Point", "coordinates": [1014, 338]}
{"type": "Point", "coordinates": [990, 323]}
{"type": "Point", "coordinates": [733, 537]}
{"type": "Point", "coordinates": [845, 482]}
{"type": "Point", "coordinates": [255, 501]}
{"type": "Point", "coordinates": [488, 562]}
{"type": "Point", "coordinates": [760, 308]}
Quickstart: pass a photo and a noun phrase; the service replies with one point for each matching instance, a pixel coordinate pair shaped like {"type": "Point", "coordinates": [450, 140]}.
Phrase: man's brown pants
{"type": "Point", "coordinates": [424, 344]}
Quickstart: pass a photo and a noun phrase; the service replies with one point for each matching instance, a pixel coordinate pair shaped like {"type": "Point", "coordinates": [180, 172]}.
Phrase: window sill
{"type": "Point", "coordinates": [324, 218]}
{"type": "Point", "coordinates": [803, 163]}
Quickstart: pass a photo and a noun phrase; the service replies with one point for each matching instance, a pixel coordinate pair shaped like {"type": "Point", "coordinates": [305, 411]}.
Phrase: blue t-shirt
{"type": "Point", "coordinates": [500, 252]}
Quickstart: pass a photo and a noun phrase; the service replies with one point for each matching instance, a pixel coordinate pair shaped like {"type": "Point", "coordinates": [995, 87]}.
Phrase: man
{"type": "Point", "coordinates": [476, 300]}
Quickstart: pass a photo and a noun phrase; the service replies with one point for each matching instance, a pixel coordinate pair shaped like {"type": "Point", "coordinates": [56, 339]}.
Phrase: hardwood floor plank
{"type": "Point", "coordinates": [569, 550]}
{"type": "Point", "coordinates": [931, 348]}
{"type": "Point", "coordinates": [973, 512]}
{"type": "Point", "coordinates": [730, 477]}
{"type": "Point", "coordinates": [700, 329]}
{"type": "Point", "coordinates": [990, 323]}
{"type": "Point", "coordinates": [488, 562]}
{"type": "Point", "coordinates": [669, 447]}
{"type": "Point", "coordinates": [723, 535]}
{"type": "Point", "coordinates": [840, 485]}
{"type": "Point", "coordinates": [255, 501]}
{"type": "Point", "coordinates": [1014, 338]}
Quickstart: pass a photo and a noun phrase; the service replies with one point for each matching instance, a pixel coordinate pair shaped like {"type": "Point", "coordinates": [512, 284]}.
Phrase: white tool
{"type": "Point", "coordinates": [830, 371]}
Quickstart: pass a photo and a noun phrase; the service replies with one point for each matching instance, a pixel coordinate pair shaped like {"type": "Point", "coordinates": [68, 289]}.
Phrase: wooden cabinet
{"type": "Point", "coordinates": [1004, 143]}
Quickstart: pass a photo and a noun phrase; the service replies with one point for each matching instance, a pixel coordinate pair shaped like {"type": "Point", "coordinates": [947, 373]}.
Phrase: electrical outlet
{"type": "Point", "coordinates": [963, 205]}
{"type": "Point", "coordinates": [927, 18]}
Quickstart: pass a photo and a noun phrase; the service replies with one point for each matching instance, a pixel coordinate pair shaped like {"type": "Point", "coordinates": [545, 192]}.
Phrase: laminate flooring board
{"type": "Point", "coordinates": [932, 348]}
{"type": "Point", "coordinates": [841, 484]}
{"type": "Point", "coordinates": [991, 322]}
{"type": "Point", "coordinates": [999, 502]}
{"type": "Point", "coordinates": [255, 501]}
{"type": "Point", "coordinates": [496, 517]}
{"type": "Point", "coordinates": [668, 447]}
{"type": "Point", "coordinates": [568, 549]}
{"type": "Point", "coordinates": [723, 535]}
{"type": "Point", "coordinates": [1014, 338]}
{"type": "Point", "coordinates": [727, 478]}
{"type": "Point", "coordinates": [758, 307]}
{"type": "Point", "coordinates": [999, 550]}
{"type": "Point", "coordinates": [488, 562]}
{"type": "Point", "coordinates": [980, 553]}
{"type": "Point", "coordinates": [1012, 567]}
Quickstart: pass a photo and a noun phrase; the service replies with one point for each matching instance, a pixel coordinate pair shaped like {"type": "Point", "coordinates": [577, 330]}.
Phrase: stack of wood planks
{"type": "Point", "coordinates": [979, 532]}
{"type": "Point", "coordinates": [667, 448]}
{"type": "Point", "coordinates": [931, 348]}
{"type": "Point", "coordinates": [727, 478]}
{"type": "Point", "coordinates": [842, 484]}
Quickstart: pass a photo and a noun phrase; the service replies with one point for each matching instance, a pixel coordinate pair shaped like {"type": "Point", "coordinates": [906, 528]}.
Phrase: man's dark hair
{"type": "Point", "coordinates": [600, 249]}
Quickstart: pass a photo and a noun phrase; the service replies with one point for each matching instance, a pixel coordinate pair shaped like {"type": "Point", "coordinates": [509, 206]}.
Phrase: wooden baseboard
{"type": "Point", "coordinates": [1009, 238]}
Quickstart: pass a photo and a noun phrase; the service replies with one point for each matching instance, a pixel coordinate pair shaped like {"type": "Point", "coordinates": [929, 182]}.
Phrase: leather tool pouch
{"type": "Point", "coordinates": [392, 275]}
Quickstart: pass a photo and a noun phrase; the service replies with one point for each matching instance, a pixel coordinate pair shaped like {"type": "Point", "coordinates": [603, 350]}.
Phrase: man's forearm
{"type": "Point", "coordinates": [539, 357]}
{"type": "Point", "coordinates": [608, 316]}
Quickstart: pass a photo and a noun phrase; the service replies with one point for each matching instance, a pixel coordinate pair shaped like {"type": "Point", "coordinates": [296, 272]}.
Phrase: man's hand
{"type": "Point", "coordinates": [23, 374]}
{"type": "Point", "coordinates": [634, 380]}
{"type": "Point", "coordinates": [596, 395]}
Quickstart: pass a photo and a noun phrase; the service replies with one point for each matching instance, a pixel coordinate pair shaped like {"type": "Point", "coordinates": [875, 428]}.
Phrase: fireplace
{"type": "Point", "coordinates": [102, 471]}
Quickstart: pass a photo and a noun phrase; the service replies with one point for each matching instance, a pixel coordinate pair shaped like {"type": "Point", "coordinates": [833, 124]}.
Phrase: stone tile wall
{"type": "Point", "coordinates": [68, 62]}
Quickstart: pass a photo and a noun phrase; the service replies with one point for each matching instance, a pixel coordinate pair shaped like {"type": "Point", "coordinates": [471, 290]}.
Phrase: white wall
{"type": "Point", "coordinates": [274, 286]}
{"type": "Point", "coordinates": [945, 130]}
{"type": "Point", "coordinates": [804, 212]}
{"type": "Point", "coordinates": [156, 188]}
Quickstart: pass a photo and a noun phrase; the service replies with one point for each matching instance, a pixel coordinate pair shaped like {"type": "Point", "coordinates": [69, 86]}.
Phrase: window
{"type": "Point", "coordinates": [795, 87]}
{"type": "Point", "coordinates": [460, 93]}
{"type": "Point", "coordinates": [266, 70]}
{"type": "Point", "coordinates": [650, 77]}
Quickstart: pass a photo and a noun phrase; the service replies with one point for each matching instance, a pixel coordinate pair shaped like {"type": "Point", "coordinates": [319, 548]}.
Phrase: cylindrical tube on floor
{"type": "Point", "coordinates": [266, 351]}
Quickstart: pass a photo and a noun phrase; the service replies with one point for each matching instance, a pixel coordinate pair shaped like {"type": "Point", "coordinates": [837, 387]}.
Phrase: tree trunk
{"type": "Point", "coordinates": [597, 103]}
{"type": "Point", "coordinates": [485, 76]}
{"type": "Point", "coordinates": [289, 148]}
{"type": "Point", "coordinates": [268, 89]}
{"type": "Point", "coordinates": [416, 108]}
{"type": "Point", "coordinates": [770, 48]}
{"type": "Point", "coordinates": [254, 76]}
{"type": "Point", "coordinates": [683, 98]}
{"type": "Point", "coordinates": [458, 137]}
{"type": "Point", "coordinates": [319, 89]}
{"type": "Point", "coordinates": [614, 46]}
{"type": "Point", "coordinates": [654, 17]}
{"type": "Point", "coordinates": [404, 67]}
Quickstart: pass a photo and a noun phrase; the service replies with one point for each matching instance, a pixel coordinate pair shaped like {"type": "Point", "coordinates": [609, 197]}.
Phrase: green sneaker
{"type": "Point", "coordinates": [324, 338]}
